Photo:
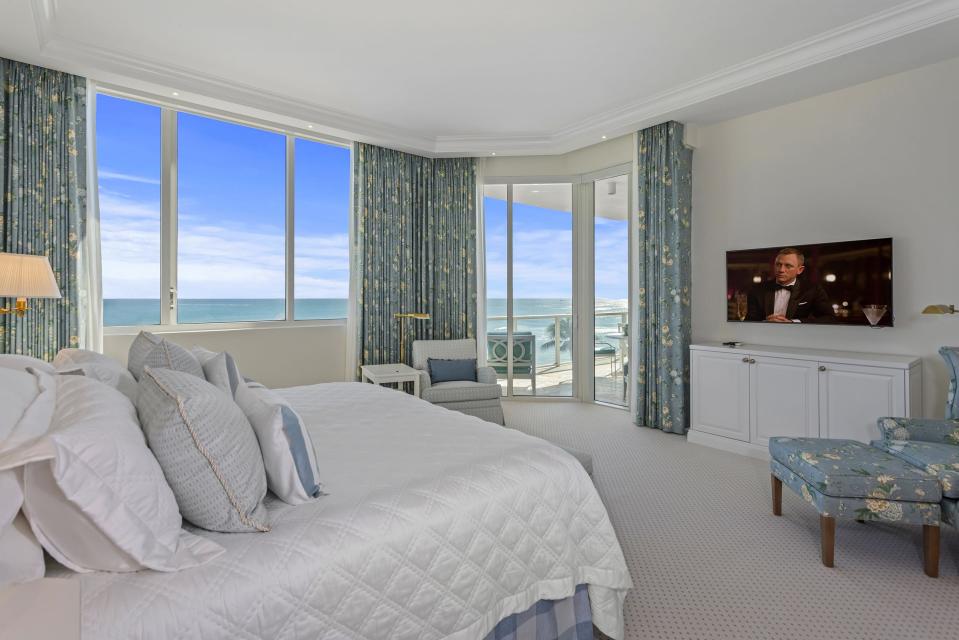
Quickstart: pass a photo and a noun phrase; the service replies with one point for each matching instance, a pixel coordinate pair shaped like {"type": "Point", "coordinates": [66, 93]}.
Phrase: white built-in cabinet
{"type": "Point", "coordinates": [744, 395]}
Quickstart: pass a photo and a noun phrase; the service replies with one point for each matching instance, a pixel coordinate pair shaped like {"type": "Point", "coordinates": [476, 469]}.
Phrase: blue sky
{"type": "Point", "coordinates": [231, 208]}
{"type": "Point", "coordinates": [543, 253]}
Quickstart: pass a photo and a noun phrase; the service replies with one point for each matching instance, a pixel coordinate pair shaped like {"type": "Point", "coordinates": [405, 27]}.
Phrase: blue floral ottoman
{"type": "Point", "coordinates": [848, 479]}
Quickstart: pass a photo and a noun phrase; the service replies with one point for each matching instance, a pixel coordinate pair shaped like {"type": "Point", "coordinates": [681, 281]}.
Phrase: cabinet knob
{"type": "Point", "coordinates": [746, 360]}
{"type": "Point", "coordinates": [822, 367]}
{"type": "Point", "coordinates": [752, 361]}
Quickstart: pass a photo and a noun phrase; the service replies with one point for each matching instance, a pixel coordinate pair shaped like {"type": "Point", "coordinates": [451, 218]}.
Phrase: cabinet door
{"type": "Point", "coordinates": [720, 394]}
{"type": "Point", "coordinates": [784, 398]}
{"type": "Point", "coordinates": [851, 398]}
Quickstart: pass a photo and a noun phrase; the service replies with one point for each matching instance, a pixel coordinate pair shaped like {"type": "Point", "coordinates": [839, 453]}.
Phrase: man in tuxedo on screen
{"type": "Point", "coordinates": [788, 298]}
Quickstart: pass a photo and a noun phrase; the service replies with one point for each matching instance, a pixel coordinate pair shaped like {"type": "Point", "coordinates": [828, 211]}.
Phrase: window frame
{"type": "Point", "coordinates": [169, 109]}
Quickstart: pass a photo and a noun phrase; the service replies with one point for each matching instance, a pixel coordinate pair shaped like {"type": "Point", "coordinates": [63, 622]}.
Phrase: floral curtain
{"type": "Point", "coordinates": [415, 250]}
{"type": "Point", "coordinates": [661, 287]}
{"type": "Point", "coordinates": [43, 187]}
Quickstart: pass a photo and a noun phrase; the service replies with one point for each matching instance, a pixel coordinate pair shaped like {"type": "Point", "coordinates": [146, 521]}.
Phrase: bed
{"type": "Point", "coordinates": [435, 525]}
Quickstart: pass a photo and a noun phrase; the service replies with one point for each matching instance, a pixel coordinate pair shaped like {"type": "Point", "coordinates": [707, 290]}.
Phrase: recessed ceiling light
{"type": "Point", "coordinates": [176, 93]}
{"type": "Point", "coordinates": [604, 137]}
{"type": "Point", "coordinates": [493, 153]}
{"type": "Point", "coordinates": [309, 126]}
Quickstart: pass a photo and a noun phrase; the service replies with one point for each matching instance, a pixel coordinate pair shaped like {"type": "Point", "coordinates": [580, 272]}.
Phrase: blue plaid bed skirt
{"type": "Point", "coordinates": [567, 619]}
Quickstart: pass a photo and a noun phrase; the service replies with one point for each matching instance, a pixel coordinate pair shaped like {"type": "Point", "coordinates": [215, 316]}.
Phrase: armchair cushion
{"type": "Point", "coordinates": [443, 370]}
{"type": "Point", "coordinates": [941, 460]}
{"type": "Point", "coordinates": [423, 350]}
{"type": "Point", "coordinates": [486, 375]}
{"type": "Point", "coordinates": [923, 429]}
{"type": "Point", "coordinates": [460, 391]}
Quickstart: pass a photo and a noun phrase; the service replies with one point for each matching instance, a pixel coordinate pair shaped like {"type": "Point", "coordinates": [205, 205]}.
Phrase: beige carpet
{"type": "Point", "coordinates": [709, 560]}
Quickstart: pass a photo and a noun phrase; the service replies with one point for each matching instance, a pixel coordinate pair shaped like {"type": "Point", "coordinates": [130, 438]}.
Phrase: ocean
{"type": "Point", "coordinates": [135, 312]}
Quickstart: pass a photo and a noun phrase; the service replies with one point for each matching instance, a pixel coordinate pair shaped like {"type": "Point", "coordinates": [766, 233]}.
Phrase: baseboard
{"type": "Point", "coordinates": [728, 444]}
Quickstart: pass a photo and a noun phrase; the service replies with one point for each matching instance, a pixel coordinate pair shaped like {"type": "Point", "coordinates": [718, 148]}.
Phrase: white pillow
{"type": "Point", "coordinates": [149, 350]}
{"type": "Point", "coordinates": [99, 367]}
{"type": "Point", "coordinates": [21, 556]}
{"type": "Point", "coordinates": [27, 400]}
{"type": "Point", "coordinates": [221, 371]}
{"type": "Point", "coordinates": [22, 363]}
{"type": "Point", "coordinates": [95, 496]}
{"type": "Point", "coordinates": [285, 444]}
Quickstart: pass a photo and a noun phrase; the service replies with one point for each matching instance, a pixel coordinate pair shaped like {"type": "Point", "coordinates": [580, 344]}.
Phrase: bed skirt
{"type": "Point", "coordinates": [567, 619]}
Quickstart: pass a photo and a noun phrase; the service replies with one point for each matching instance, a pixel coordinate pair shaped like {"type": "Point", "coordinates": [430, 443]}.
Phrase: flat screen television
{"type": "Point", "coordinates": [840, 283]}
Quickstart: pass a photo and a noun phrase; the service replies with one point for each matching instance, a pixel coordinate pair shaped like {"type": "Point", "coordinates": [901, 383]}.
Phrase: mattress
{"type": "Point", "coordinates": [435, 525]}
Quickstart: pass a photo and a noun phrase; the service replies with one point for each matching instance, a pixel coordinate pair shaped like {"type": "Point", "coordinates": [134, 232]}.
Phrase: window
{"type": "Point", "coordinates": [322, 238]}
{"type": "Point", "coordinates": [238, 190]}
{"type": "Point", "coordinates": [128, 155]}
{"type": "Point", "coordinates": [231, 215]}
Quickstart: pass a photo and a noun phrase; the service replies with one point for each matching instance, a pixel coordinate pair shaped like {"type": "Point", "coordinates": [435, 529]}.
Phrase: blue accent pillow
{"type": "Point", "coordinates": [451, 370]}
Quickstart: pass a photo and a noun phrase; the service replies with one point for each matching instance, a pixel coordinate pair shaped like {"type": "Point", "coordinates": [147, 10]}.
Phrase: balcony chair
{"type": "Point", "coordinates": [480, 398]}
{"type": "Point", "coordinates": [606, 349]}
{"type": "Point", "coordinates": [524, 355]}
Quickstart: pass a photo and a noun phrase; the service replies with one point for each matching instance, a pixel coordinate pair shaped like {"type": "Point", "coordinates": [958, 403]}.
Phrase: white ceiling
{"type": "Point", "coordinates": [446, 78]}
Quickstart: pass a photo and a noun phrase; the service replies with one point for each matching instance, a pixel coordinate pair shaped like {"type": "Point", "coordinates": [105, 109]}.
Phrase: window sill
{"type": "Point", "coordinates": [223, 326]}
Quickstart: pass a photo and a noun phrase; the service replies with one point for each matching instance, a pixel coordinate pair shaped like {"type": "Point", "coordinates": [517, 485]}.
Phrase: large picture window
{"type": "Point", "coordinates": [233, 193]}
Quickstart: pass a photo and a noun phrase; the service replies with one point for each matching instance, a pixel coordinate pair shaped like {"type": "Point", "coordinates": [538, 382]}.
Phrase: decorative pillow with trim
{"type": "Point", "coordinates": [149, 350]}
{"type": "Point", "coordinates": [207, 449]}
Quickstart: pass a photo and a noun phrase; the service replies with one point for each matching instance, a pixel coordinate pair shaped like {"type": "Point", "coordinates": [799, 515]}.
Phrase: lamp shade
{"type": "Point", "coordinates": [24, 276]}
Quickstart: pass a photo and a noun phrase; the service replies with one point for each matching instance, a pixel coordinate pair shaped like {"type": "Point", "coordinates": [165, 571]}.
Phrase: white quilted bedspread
{"type": "Point", "coordinates": [437, 525]}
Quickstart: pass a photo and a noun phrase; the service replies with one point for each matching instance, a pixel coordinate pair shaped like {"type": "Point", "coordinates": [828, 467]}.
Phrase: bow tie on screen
{"type": "Point", "coordinates": [787, 287]}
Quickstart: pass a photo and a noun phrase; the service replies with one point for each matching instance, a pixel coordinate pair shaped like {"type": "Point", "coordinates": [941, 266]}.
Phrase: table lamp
{"type": "Point", "coordinates": [24, 276]}
{"type": "Point", "coordinates": [399, 317]}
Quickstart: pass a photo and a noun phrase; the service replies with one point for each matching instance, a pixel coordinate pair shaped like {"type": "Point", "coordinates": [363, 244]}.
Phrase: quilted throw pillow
{"type": "Point", "coordinates": [207, 450]}
{"type": "Point", "coordinates": [285, 443]}
{"type": "Point", "coordinates": [149, 350]}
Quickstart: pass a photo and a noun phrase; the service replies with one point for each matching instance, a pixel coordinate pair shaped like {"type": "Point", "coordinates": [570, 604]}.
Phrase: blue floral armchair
{"type": "Point", "coordinates": [932, 445]}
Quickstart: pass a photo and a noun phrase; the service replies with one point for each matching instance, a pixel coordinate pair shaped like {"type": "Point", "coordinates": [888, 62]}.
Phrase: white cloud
{"type": "Point", "coordinates": [106, 174]}
{"type": "Point", "coordinates": [214, 260]}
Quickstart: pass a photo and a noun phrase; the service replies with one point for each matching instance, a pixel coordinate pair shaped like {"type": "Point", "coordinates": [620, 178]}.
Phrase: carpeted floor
{"type": "Point", "coordinates": [709, 560]}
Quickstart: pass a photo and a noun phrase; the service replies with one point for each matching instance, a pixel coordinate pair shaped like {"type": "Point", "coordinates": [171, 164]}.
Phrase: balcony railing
{"type": "Point", "coordinates": [557, 321]}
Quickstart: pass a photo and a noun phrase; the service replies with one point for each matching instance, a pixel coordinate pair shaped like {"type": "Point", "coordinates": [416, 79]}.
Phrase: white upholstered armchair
{"type": "Point", "coordinates": [480, 398]}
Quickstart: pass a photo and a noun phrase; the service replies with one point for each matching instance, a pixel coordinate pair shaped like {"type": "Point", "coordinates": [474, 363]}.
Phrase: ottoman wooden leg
{"type": "Point", "coordinates": [930, 550]}
{"type": "Point", "coordinates": [777, 495]}
{"type": "Point", "coordinates": [827, 533]}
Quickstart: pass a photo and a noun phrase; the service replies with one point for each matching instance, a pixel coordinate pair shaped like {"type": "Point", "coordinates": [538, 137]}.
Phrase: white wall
{"type": "Point", "coordinates": [276, 357]}
{"type": "Point", "coordinates": [588, 159]}
{"type": "Point", "coordinates": [874, 160]}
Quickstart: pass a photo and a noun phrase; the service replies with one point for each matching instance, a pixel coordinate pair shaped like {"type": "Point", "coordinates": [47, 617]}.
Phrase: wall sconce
{"type": "Point", "coordinates": [24, 276]}
{"type": "Point", "coordinates": [939, 309]}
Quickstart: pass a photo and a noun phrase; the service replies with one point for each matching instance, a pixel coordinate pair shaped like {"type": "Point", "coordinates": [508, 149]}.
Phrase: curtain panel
{"type": "Point", "coordinates": [662, 285]}
{"type": "Point", "coordinates": [43, 154]}
{"type": "Point", "coordinates": [415, 250]}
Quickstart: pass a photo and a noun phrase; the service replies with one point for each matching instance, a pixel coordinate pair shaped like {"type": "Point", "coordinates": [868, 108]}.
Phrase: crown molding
{"type": "Point", "coordinates": [855, 36]}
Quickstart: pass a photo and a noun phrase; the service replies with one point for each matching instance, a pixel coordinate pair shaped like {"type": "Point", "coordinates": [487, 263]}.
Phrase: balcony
{"type": "Point", "coordinates": [552, 363]}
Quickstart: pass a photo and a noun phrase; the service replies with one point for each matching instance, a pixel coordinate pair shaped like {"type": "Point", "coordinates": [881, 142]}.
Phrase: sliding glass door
{"type": "Point", "coordinates": [529, 283]}
{"type": "Point", "coordinates": [611, 289]}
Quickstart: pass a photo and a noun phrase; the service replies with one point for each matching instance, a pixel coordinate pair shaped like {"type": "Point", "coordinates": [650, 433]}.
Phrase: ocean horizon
{"type": "Point", "coordinates": [126, 312]}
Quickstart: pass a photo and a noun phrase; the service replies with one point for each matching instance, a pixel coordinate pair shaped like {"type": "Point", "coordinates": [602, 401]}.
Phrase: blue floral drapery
{"type": "Point", "coordinates": [661, 287]}
{"type": "Point", "coordinates": [43, 204]}
{"type": "Point", "coordinates": [415, 251]}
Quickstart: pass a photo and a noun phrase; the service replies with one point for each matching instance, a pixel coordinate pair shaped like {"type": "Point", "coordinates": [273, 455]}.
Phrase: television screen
{"type": "Point", "coordinates": [846, 283]}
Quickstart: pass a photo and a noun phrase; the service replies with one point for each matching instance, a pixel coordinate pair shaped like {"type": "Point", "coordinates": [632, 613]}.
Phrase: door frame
{"type": "Point", "coordinates": [583, 322]}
